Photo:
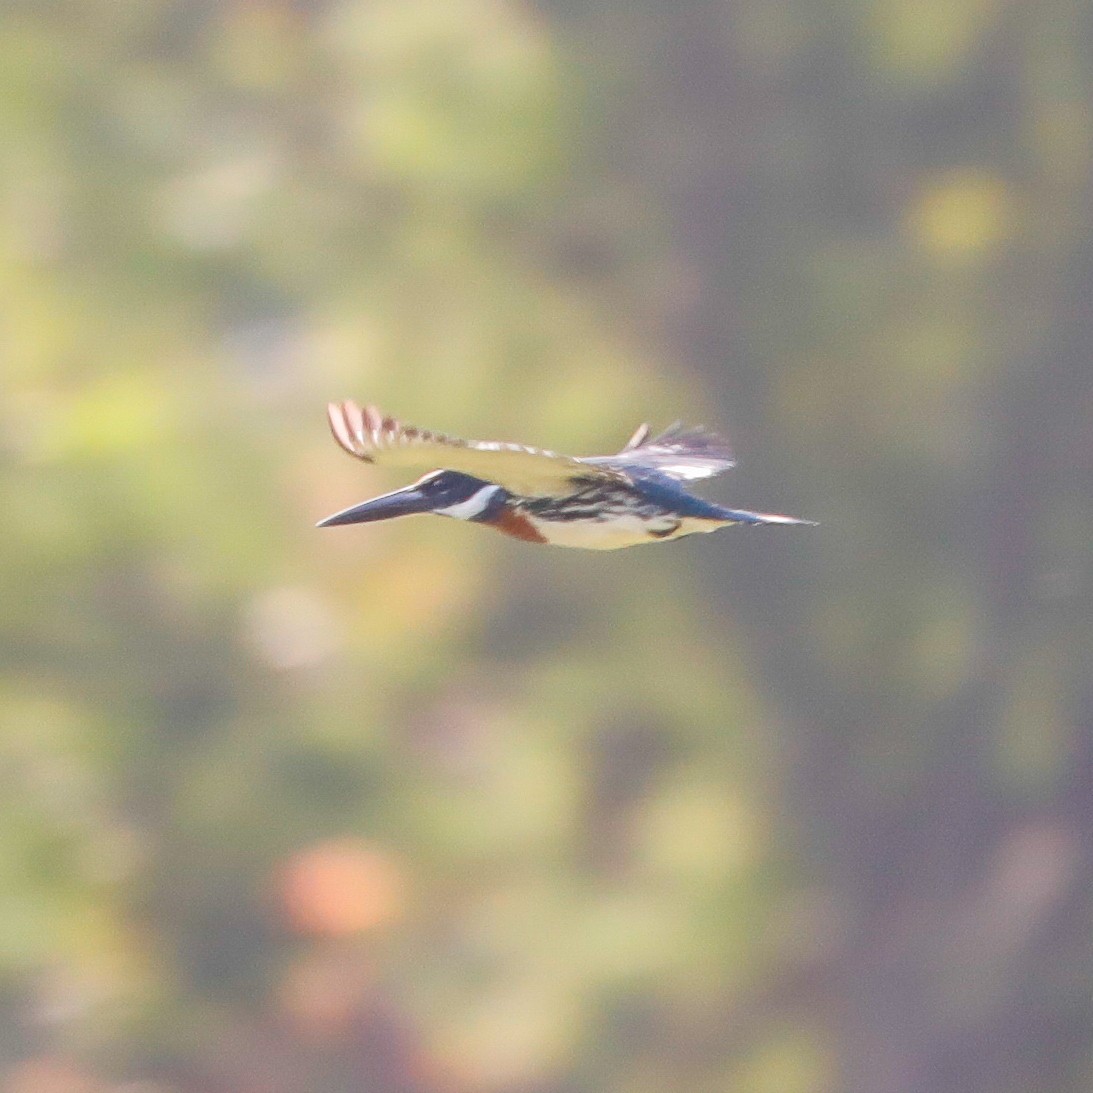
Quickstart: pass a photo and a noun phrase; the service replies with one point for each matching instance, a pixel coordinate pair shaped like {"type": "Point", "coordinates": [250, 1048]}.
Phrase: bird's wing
{"type": "Point", "coordinates": [679, 452]}
{"type": "Point", "coordinates": [529, 472]}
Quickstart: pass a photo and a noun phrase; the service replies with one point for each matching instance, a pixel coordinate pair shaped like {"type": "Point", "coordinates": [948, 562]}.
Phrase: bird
{"type": "Point", "coordinates": [595, 502]}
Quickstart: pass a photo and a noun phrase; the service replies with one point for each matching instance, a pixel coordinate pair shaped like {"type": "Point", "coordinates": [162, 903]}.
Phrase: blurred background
{"type": "Point", "coordinates": [414, 808]}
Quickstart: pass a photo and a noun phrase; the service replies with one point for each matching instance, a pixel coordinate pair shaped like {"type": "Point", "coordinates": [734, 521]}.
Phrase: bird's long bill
{"type": "Point", "coordinates": [404, 502]}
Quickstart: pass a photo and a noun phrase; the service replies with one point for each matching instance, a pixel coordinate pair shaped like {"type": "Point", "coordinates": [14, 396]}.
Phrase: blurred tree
{"type": "Point", "coordinates": [418, 809]}
{"type": "Point", "coordinates": [873, 208]}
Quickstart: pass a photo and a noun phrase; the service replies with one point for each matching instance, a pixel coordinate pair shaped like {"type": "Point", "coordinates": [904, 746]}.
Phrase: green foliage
{"type": "Point", "coordinates": [416, 808]}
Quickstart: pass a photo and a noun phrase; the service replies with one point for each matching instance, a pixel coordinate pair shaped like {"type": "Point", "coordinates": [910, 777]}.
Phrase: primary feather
{"type": "Point", "coordinates": [530, 472]}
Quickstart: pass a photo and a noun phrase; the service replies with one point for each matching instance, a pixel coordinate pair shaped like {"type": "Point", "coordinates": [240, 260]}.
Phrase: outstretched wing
{"type": "Point", "coordinates": [529, 472]}
{"type": "Point", "coordinates": [679, 452]}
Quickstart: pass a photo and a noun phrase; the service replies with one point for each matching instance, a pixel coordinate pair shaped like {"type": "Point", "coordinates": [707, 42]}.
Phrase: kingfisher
{"type": "Point", "coordinates": [601, 502]}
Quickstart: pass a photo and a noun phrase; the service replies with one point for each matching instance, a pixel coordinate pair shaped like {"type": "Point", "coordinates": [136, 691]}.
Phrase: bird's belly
{"type": "Point", "coordinates": [616, 532]}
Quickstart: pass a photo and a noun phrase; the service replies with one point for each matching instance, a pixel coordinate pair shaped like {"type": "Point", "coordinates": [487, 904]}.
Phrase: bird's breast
{"type": "Point", "coordinates": [611, 533]}
{"type": "Point", "coordinates": [514, 523]}
{"type": "Point", "coordinates": [617, 531]}
{"type": "Point", "coordinates": [596, 519]}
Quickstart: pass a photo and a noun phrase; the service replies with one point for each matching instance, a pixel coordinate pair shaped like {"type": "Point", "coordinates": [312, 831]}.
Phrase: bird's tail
{"type": "Point", "coordinates": [742, 516]}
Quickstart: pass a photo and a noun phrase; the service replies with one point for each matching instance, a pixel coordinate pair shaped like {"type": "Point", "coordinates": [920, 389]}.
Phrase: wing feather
{"type": "Point", "coordinates": [680, 452]}
{"type": "Point", "coordinates": [529, 472]}
{"type": "Point", "coordinates": [641, 435]}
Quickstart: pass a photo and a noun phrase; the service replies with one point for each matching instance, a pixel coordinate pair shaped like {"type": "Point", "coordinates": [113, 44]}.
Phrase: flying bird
{"type": "Point", "coordinates": [596, 502]}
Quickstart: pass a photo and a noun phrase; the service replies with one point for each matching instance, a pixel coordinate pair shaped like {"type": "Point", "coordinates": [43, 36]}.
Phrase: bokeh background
{"type": "Point", "coordinates": [418, 809]}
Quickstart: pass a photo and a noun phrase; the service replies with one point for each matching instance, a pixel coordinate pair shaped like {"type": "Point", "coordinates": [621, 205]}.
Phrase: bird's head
{"type": "Point", "coordinates": [445, 493]}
